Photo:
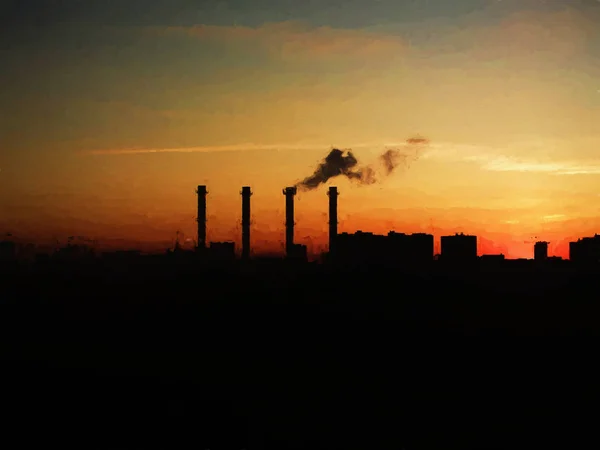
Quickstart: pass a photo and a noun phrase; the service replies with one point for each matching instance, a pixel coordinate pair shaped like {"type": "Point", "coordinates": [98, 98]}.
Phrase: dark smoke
{"type": "Point", "coordinates": [417, 140]}
{"type": "Point", "coordinates": [334, 165]}
{"type": "Point", "coordinates": [392, 158]}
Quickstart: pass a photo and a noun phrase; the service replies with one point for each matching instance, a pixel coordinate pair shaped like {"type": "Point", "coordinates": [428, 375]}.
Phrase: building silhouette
{"type": "Point", "coordinates": [298, 252]}
{"type": "Point", "coordinates": [359, 247]}
{"type": "Point", "coordinates": [416, 248]}
{"type": "Point", "coordinates": [493, 259]}
{"type": "Point", "coordinates": [222, 251]}
{"type": "Point", "coordinates": [460, 248]}
{"type": "Point", "coordinates": [540, 251]}
{"type": "Point", "coordinates": [73, 253]}
{"type": "Point", "coordinates": [8, 251]}
{"type": "Point", "coordinates": [585, 250]}
{"type": "Point", "coordinates": [395, 248]}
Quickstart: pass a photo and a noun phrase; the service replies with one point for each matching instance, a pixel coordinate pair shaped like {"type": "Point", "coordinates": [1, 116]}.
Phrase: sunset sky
{"type": "Point", "coordinates": [112, 112]}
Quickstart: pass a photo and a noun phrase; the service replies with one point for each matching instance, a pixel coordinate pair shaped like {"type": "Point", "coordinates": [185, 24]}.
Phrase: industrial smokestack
{"type": "Point", "coordinates": [333, 217]}
{"type": "Point", "coordinates": [246, 193]}
{"type": "Point", "coordinates": [289, 193]}
{"type": "Point", "coordinates": [201, 216]}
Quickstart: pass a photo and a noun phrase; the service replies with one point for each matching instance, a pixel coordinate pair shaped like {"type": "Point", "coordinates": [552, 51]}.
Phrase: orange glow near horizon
{"type": "Point", "coordinates": [154, 204]}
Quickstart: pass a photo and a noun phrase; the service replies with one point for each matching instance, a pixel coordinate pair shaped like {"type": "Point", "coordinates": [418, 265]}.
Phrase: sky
{"type": "Point", "coordinates": [112, 112]}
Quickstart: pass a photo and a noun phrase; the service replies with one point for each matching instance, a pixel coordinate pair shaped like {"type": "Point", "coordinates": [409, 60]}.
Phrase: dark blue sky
{"type": "Point", "coordinates": [170, 12]}
{"type": "Point", "coordinates": [340, 13]}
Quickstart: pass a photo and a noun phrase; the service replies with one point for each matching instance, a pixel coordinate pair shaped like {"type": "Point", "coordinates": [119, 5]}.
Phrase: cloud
{"type": "Point", "coordinates": [291, 39]}
{"type": "Point", "coordinates": [562, 33]}
{"type": "Point", "coordinates": [203, 149]}
{"type": "Point", "coordinates": [525, 35]}
{"type": "Point", "coordinates": [504, 159]}
{"type": "Point", "coordinates": [554, 217]}
{"type": "Point", "coordinates": [507, 164]}
{"type": "Point", "coordinates": [396, 144]}
{"type": "Point", "coordinates": [488, 158]}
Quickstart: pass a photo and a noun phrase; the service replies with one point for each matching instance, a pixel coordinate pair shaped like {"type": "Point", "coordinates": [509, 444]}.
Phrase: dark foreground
{"type": "Point", "coordinates": [174, 357]}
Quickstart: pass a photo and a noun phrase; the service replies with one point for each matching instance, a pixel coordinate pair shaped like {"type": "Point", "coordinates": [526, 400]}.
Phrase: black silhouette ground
{"type": "Point", "coordinates": [170, 355]}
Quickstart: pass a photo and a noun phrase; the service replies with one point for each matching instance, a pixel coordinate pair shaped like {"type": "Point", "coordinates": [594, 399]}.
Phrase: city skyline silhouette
{"type": "Point", "coordinates": [360, 244]}
{"type": "Point", "coordinates": [340, 168]}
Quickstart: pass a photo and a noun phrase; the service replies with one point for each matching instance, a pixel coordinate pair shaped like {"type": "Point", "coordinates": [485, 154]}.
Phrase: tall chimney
{"type": "Point", "coordinates": [333, 217]}
{"type": "Point", "coordinates": [246, 193]}
{"type": "Point", "coordinates": [201, 216]}
{"type": "Point", "coordinates": [289, 193]}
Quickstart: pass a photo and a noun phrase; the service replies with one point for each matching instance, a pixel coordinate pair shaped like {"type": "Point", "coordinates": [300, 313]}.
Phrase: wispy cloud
{"type": "Point", "coordinates": [495, 159]}
{"type": "Point", "coordinates": [527, 32]}
{"type": "Point", "coordinates": [291, 39]}
{"type": "Point", "coordinates": [248, 147]}
{"type": "Point", "coordinates": [527, 35]}
{"type": "Point", "coordinates": [486, 157]}
{"type": "Point", "coordinates": [508, 164]}
{"type": "Point", "coordinates": [204, 149]}
{"type": "Point", "coordinates": [554, 217]}
{"type": "Point", "coordinates": [561, 34]}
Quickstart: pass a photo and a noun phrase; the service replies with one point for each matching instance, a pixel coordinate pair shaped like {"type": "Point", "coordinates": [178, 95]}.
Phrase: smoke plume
{"type": "Point", "coordinates": [394, 157]}
{"type": "Point", "coordinates": [334, 165]}
{"type": "Point", "coordinates": [337, 164]}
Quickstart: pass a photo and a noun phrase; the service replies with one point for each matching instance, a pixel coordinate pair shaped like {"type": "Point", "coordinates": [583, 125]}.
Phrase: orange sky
{"type": "Point", "coordinates": [510, 105]}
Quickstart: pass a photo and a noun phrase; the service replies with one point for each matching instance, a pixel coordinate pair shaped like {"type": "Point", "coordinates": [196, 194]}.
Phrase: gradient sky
{"type": "Point", "coordinates": [111, 112]}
